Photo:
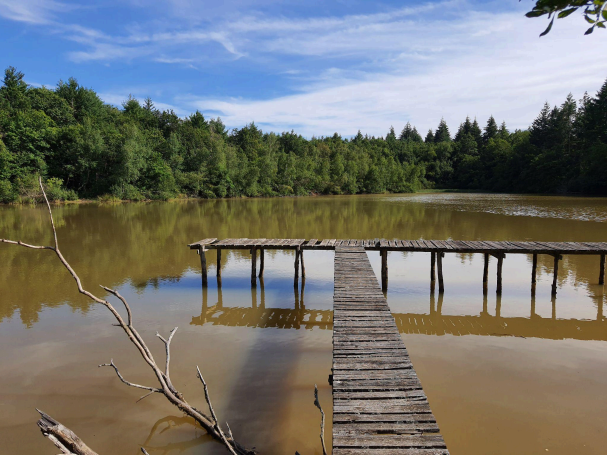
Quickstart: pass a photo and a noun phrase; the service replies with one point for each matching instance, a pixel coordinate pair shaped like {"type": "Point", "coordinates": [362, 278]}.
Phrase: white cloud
{"type": "Point", "coordinates": [31, 11]}
{"type": "Point", "coordinates": [480, 65]}
{"type": "Point", "coordinates": [368, 71]}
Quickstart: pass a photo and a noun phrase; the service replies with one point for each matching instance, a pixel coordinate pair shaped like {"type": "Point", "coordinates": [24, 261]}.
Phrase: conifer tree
{"type": "Point", "coordinates": [415, 136]}
{"type": "Point", "coordinates": [442, 132]}
{"type": "Point", "coordinates": [477, 134]}
{"type": "Point", "coordinates": [491, 130]}
{"type": "Point", "coordinates": [405, 134]}
{"type": "Point", "coordinates": [503, 132]}
{"type": "Point", "coordinates": [429, 137]}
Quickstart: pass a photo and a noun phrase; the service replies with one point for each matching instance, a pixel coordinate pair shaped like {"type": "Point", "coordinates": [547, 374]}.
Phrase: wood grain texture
{"type": "Point", "coordinates": [379, 406]}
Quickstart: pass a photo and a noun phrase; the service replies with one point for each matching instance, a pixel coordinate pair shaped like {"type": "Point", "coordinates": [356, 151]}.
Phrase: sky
{"type": "Point", "coordinates": [315, 67]}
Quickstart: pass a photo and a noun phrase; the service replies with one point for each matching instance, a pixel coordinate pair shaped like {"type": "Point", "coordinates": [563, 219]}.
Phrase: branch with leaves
{"type": "Point", "coordinates": [594, 11]}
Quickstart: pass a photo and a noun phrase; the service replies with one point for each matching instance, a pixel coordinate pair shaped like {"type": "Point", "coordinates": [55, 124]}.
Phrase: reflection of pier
{"type": "Point", "coordinates": [434, 323]}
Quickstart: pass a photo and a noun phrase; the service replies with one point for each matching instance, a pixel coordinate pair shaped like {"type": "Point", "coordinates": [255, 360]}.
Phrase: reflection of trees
{"type": "Point", "coordinates": [150, 238]}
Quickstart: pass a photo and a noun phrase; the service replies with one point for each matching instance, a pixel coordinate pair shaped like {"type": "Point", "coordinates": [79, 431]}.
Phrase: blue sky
{"type": "Point", "coordinates": [317, 67]}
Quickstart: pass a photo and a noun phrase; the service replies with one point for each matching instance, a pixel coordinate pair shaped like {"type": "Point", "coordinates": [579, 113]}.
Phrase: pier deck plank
{"type": "Point", "coordinates": [379, 406]}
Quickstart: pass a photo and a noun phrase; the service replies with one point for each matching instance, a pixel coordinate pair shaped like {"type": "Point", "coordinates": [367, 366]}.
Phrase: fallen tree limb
{"type": "Point", "coordinates": [64, 438]}
{"type": "Point", "coordinates": [165, 385]}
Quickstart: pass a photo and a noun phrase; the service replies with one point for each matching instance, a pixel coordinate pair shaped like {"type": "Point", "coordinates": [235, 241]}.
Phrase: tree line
{"type": "Point", "coordinates": [85, 148]}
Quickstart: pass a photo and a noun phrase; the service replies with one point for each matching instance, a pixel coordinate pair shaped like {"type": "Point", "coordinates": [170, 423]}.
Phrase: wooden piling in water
{"type": "Point", "coordinates": [261, 262]}
{"type": "Point", "coordinates": [203, 266]}
{"type": "Point", "coordinates": [219, 263]}
{"type": "Point", "coordinates": [439, 265]}
{"type": "Point", "coordinates": [432, 266]}
{"type": "Point", "coordinates": [557, 258]}
{"type": "Point", "coordinates": [297, 253]}
{"type": "Point", "coordinates": [534, 270]}
{"type": "Point", "coordinates": [303, 266]}
{"type": "Point", "coordinates": [254, 267]}
{"type": "Point", "coordinates": [602, 270]}
{"type": "Point", "coordinates": [384, 270]}
{"type": "Point", "coordinates": [485, 272]}
{"type": "Point", "coordinates": [500, 262]}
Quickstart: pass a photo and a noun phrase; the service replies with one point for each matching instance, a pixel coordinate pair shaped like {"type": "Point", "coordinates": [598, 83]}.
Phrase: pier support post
{"type": "Point", "coordinates": [432, 266]}
{"type": "Point", "coordinates": [602, 270]}
{"type": "Point", "coordinates": [384, 270]}
{"type": "Point", "coordinates": [296, 281]}
{"type": "Point", "coordinates": [500, 263]}
{"type": "Point", "coordinates": [534, 269]}
{"type": "Point", "coordinates": [439, 265]}
{"type": "Point", "coordinates": [219, 263]}
{"type": "Point", "coordinates": [557, 258]}
{"type": "Point", "coordinates": [261, 262]}
{"type": "Point", "coordinates": [485, 272]}
{"type": "Point", "coordinates": [303, 266]}
{"type": "Point", "coordinates": [203, 266]}
{"type": "Point", "coordinates": [254, 267]}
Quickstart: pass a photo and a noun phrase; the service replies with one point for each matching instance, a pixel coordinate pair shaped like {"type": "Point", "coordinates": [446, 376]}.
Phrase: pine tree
{"type": "Point", "coordinates": [391, 136]}
{"type": "Point", "coordinates": [429, 137]}
{"type": "Point", "coordinates": [475, 131]}
{"type": "Point", "coordinates": [491, 130]}
{"type": "Point", "coordinates": [539, 128]}
{"type": "Point", "coordinates": [415, 136]}
{"type": "Point", "coordinates": [464, 128]}
{"type": "Point", "coordinates": [503, 132]}
{"type": "Point", "coordinates": [442, 132]}
{"type": "Point", "coordinates": [405, 134]}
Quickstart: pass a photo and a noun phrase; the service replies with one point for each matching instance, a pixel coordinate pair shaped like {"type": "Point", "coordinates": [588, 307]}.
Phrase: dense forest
{"type": "Point", "coordinates": [84, 148]}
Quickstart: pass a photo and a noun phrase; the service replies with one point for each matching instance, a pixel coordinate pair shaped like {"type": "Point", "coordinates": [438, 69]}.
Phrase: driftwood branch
{"type": "Point", "coordinates": [322, 420]}
{"type": "Point", "coordinates": [64, 438]}
{"type": "Point", "coordinates": [209, 423]}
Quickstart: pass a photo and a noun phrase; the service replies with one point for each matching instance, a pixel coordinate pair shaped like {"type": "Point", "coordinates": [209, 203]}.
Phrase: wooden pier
{"type": "Point", "coordinates": [436, 248]}
{"type": "Point", "coordinates": [379, 405]}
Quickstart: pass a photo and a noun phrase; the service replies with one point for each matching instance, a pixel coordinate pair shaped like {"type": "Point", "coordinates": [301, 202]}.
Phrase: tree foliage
{"type": "Point", "coordinates": [594, 12]}
{"type": "Point", "coordinates": [85, 148]}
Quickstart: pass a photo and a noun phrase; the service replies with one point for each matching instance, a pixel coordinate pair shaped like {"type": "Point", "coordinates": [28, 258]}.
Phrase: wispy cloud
{"type": "Point", "coordinates": [32, 11]}
{"type": "Point", "coordinates": [348, 72]}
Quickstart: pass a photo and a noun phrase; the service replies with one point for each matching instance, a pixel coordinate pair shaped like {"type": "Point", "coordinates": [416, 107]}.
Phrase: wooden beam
{"type": "Point", "coordinates": [534, 269]}
{"type": "Point", "coordinates": [384, 270]}
{"type": "Point", "coordinates": [297, 252]}
{"type": "Point", "coordinates": [203, 266]}
{"type": "Point", "coordinates": [254, 267]}
{"type": "Point", "coordinates": [439, 264]}
{"type": "Point", "coordinates": [485, 272]}
{"type": "Point", "coordinates": [303, 266]}
{"type": "Point", "coordinates": [219, 263]}
{"type": "Point", "coordinates": [432, 266]}
{"type": "Point", "coordinates": [261, 262]}
{"type": "Point", "coordinates": [500, 262]}
{"type": "Point", "coordinates": [557, 258]}
{"type": "Point", "coordinates": [602, 270]}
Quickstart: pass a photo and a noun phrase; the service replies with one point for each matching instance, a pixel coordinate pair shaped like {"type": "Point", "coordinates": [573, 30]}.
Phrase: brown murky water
{"type": "Point", "coordinates": [507, 376]}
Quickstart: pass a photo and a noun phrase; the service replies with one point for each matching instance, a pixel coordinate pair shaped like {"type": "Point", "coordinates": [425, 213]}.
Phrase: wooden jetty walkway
{"type": "Point", "coordinates": [436, 248]}
{"type": "Point", "coordinates": [379, 405]}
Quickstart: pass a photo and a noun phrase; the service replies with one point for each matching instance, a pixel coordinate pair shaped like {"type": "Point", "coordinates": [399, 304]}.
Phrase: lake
{"type": "Point", "coordinates": [505, 375]}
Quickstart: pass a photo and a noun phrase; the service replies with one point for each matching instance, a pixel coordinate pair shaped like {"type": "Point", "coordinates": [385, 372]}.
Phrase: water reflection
{"type": "Point", "coordinates": [431, 323]}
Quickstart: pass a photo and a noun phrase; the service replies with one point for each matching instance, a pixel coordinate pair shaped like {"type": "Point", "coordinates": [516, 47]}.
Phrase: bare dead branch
{"type": "Point", "coordinates": [166, 387]}
{"type": "Point", "coordinates": [167, 344]}
{"type": "Point", "coordinates": [65, 439]}
{"type": "Point", "coordinates": [131, 384]}
{"type": "Point", "coordinates": [206, 395]}
{"type": "Point", "coordinates": [322, 420]}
